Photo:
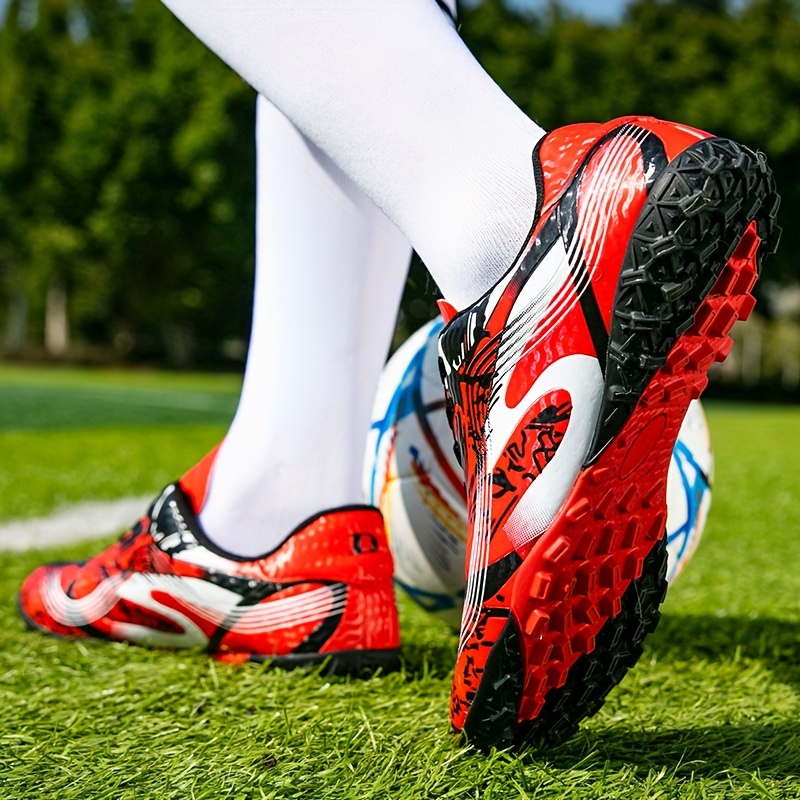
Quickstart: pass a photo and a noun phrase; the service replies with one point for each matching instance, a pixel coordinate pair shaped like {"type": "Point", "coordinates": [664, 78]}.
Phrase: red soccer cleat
{"type": "Point", "coordinates": [325, 594]}
{"type": "Point", "coordinates": [566, 387]}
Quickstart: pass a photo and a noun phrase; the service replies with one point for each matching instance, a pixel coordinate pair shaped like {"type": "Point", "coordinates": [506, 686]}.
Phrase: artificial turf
{"type": "Point", "coordinates": [69, 435]}
{"type": "Point", "coordinates": [711, 711]}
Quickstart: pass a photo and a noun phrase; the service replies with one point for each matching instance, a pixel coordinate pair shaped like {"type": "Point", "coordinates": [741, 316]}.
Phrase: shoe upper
{"type": "Point", "coordinates": [327, 588]}
{"type": "Point", "coordinates": [524, 366]}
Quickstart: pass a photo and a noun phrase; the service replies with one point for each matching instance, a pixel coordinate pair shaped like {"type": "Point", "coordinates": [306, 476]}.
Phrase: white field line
{"type": "Point", "coordinates": [76, 523]}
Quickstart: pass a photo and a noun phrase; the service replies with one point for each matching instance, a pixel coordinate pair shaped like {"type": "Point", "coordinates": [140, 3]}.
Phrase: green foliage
{"type": "Point", "coordinates": [127, 157]}
{"type": "Point", "coordinates": [126, 161]}
{"type": "Point", "coordinates": [736, 73]}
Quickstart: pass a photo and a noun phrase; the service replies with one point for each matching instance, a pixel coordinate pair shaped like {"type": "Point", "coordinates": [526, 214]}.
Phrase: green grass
{"type": "Point", "coordinates": [36, 399]}
{"type": "Point", "coordinates": [70, 435]}
{"type": "Point", "coordinates": [42, 471]}
{"type": "Point", "coordinates": [711, 711]}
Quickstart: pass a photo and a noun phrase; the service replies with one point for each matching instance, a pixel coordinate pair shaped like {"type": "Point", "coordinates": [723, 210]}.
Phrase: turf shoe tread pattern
{"type": "Point", "coordinates": [596, 672]}
{"type": "Point", "coordinates": [592, 677]}
{"type": "Point", "coordinates": [675, 255]}
{"type": "Point", "coordinates": [670, 271]}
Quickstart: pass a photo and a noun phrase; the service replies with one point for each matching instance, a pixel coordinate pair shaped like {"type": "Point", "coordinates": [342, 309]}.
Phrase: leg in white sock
{"type": "Point", "coordinates": [330, 269]}
{"type": "Point", "coordinates": [389, 91]}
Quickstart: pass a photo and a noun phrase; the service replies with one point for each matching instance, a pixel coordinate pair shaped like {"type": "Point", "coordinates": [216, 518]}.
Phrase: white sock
{"type": "Point", "coordinates": [330, 270]}
{"type": "Point", "coordinates": [389, 91]}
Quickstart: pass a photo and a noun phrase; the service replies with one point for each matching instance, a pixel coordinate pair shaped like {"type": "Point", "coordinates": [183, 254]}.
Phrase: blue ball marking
{"type": "Point", "coordinates": [695, 484]}
{"type": "Point", "coordinates": [406, 400]}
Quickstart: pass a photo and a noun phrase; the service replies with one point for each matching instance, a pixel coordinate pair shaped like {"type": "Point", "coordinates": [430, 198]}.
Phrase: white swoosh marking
{"type": "Point", "coordinates": [209, 602]}
{"type": "Point", "coordinates": [547, 281]}
{"type": "Point", "coordinates": [544, 302]}
{"type": "Point", "coordinates": [581, 376]}
{"type": "Point", "coordinates": [81, 611]}
{"type": "Point", "coordinates": [606, 192]}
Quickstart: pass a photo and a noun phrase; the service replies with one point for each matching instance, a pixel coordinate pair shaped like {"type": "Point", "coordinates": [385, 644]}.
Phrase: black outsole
{"type": "Point", "coordinates": [492, 718]}
{"type": "Point", "coordinates": [343, 662]}
{"type": "Point", "coordinates": [695, 214]}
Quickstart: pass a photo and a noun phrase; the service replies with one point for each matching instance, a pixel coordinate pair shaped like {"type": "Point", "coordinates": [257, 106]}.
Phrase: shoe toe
{"type": "Point", "coordinates": [31, 603]}
{"type": "Point", "coordinates": [29, 599]}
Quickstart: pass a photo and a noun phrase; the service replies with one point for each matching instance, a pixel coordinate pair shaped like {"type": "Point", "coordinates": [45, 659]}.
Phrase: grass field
{"type": "Point", "coordinates": [711, 711]}
{"type": "Point", "coordinates": [70, 435]}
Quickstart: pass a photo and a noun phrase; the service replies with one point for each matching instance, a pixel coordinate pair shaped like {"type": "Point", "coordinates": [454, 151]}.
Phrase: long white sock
{"type": "Point", "coordinates": [239, 505]}
{"type": "Point", "coordinates": [330, 270]}
{"type": "Point", "coordinates": [389, 91]}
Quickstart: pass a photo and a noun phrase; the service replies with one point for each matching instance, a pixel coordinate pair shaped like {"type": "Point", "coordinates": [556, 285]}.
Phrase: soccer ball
{"type": "Point", "coordinates": [412, 475]}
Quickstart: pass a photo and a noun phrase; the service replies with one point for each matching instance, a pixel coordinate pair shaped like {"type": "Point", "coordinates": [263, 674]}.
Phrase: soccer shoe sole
{"type": "Point", "coordinates": [343, 662]}
{"type": "Point", "coordinates": [585, 598]}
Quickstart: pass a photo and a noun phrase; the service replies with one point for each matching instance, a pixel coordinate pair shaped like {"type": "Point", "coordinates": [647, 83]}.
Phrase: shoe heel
{"type": "Point", "coordinates": [363, 638]}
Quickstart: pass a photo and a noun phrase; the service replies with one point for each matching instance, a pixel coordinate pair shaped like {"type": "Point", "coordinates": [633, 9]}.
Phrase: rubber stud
{"type": "Point", "coordinates": [676, 393]}
{"type": "Point", "coordinates": [702, 358]}
{"type": "Point", "coordinates": [609, 573]}
{"type": "Point", "coordinates": [536, 623]}
{"type": "Point", "coordinates": [723, 348]}
{"type": "Point", "coordinates": [609, 538]}
{"type": "Point", "coordinates": [656, 530]}
{"type": "Point", "coordinates": [582, 640]}
{"type": "Point", "coordinates": [727, 280]}
{"type": "Point", "coordinates": [541, 586]}
{"type": "Point", "coordinates": [561, 651]}
{"type": "Point", "coordinates": [609, 606]}
{"type": "Point", "coordinates": [703, 319]}
{"type": "Point", "coordinates": [600, 475]}
{"type": "Point", "coordinates": [561, 619]}
{"type": "Point", "coordinates": [746, 307]}
{"type": "Point", "coordinates": [648, 501]}
{"type": "Point", "coordinates": [535, 683]}
{"type": "Point", "coordinates": [625, 503]}
{"type": "Point", "coordinates": [557, 675]}
{"type": "Point", "coordinates": [557, 550]}
{"type": "Point", "coordinates": [632, 567]}
{"type": "Point", "coordinates": [578, 510]}
{"type": "Point", "coordinates": [532, 704]}
{"type": "Point", "coordinates": [697, 387]}
{"type": "Point", "coordinates": [747, 278]}
{"type": "Point", "coordinates": [603, 505]}
{"type": "Point", "coordinates": [584, 610]}
{"type": "Point", "coordinates": [586, 546]}
{"type": "Point", "coordinates": [586, 580]}
{"type": "Point", "coordinates": [539, 654]}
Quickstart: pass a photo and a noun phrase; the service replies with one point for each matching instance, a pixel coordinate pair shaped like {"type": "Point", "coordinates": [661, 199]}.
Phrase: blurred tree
{"type": "Point", "coordinates": [127, 162]}
{"type": "Point", "coordinates": [127, 154]}
{"type": "Point", "coordinates": [733, 72]}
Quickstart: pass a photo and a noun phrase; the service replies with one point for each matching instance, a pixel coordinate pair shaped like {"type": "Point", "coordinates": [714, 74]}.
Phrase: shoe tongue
{"type": "Point", "coordinates": [172, 522]}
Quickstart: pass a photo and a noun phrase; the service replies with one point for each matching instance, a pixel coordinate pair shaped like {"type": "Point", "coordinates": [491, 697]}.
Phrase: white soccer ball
{"type": "Point", "coordinates": [412, 475]}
